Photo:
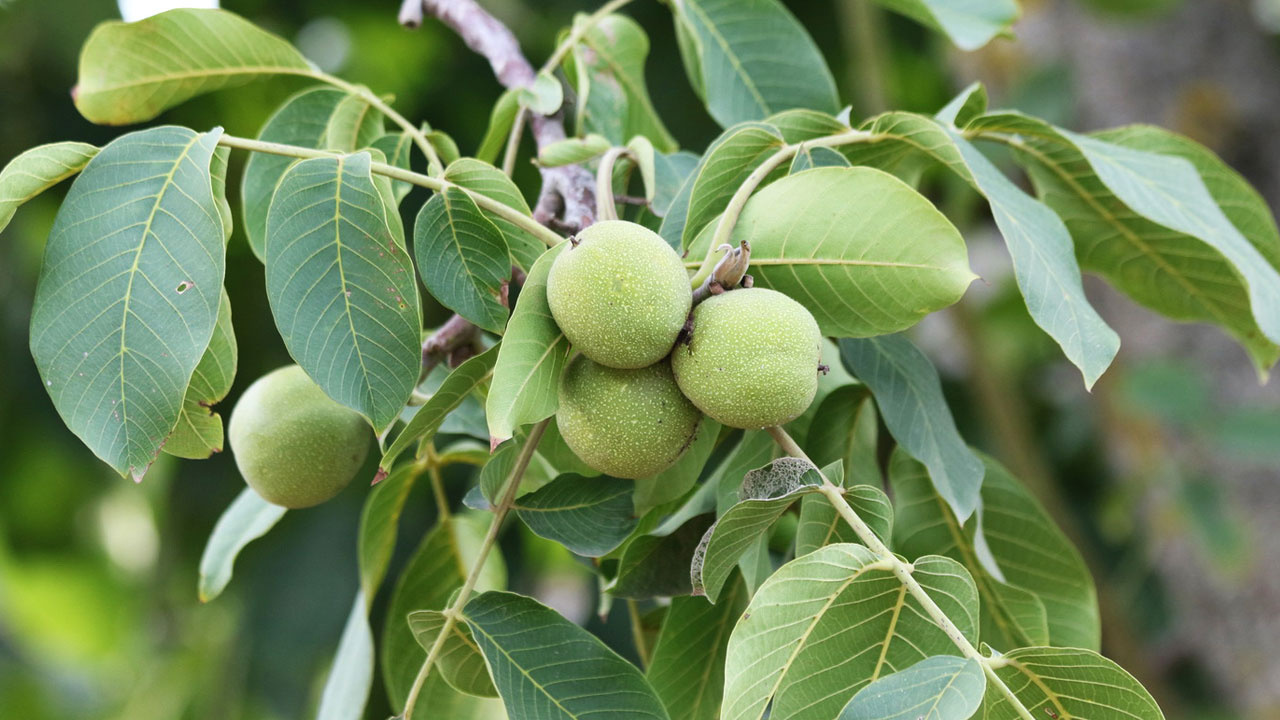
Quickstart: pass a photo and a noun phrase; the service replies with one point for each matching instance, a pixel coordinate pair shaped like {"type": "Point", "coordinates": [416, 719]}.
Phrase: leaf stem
{"type": "Point", "coordinates": [902, 571]}
{"type": "Point", "coordinates": [437, 489]}
{"type": "Point", "coordinates": [578, 30]}
{"type": "Point", "coordinates": [606, 208]}
{"type": "Point", "coordinates": [728, 220]}
{"type": "Point", "coordinates": [513, 141]}
{"type": "Point", "coordinates": [434, 166]}
{"type": "Point", "coordinates": [637, 633]}
{"type": "Point", "coordinates": [546, 235]}
{"type": "Point", "coordinates": [452, 613]}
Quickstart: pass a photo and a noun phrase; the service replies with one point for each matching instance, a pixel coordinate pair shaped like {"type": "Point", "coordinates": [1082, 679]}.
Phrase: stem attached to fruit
{"type": "Point", "coordinates": [724, 229]}
{"type": "Point", "coordinates": [452, 614]}
{"type": "Point", "coordinates": [902, 571]}
{"type": "Point", "coordinates": [550, 237]}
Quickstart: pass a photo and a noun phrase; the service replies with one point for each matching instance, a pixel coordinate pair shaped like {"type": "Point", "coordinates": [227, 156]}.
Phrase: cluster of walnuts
{"type": "Point", "coordinates": [631, 402]}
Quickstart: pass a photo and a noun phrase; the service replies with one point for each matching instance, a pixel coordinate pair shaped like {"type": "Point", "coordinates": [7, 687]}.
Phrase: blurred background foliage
{"type": "Point", "coordinates": [1166, 475]}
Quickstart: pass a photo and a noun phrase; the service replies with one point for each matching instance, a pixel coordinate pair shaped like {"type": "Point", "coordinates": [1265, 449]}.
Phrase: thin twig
{"type": "Point", "coordinates": [902, 571]}
{"type": "Point", "coordinates": [488, 37]}
{"type": "Point", "coordinates": [452, 614]}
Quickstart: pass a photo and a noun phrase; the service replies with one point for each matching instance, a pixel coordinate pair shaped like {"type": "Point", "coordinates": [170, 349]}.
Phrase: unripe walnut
{"type": "Point", "coordinates": [752, 358]}
{"type": "Point", "coordinates": [621, 294]}
{"type": "Point", "coordinates": [625, 423]}
{"type": "Point", "coordinates": [294, 445]}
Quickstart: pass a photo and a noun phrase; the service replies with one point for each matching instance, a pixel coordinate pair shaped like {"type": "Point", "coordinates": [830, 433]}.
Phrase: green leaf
{"type": "Point", "coordinates": [1068, 683]}
{"type": "Point", "coordinates": [341, 286]}
{"type": "Point", "coordinates": [131, 72]}
{"type": "Point", "coordinates": [837, 602]}
{"type": "Point", "coordinates": [460, 662]}
{"type": "Point", "coordinates": [724, 167]}
{"type": "Point", "coordinates": [573, 150]}
{"type": "Point", "coordinates": [533, 354]}
{"type": "Point", "coordinates": [379, 524]}
{"type": "Point", "coordinates": [588, 515]}
{"type": "Point", "coordinates": [675, 481]}
{"type": "Point", "coordinates": [351, 677]}
{"type": "Point", "coordinates": [766, 494]}
{"type": "Point", "coordinates": [942, 687]}
{"type": "Point", "coordinates": [37, 170]}
{"type": "Point", "coordinates": [907, 389]}
{"type": "Point", "coordinates": [800, 124]}
{"type": "Point", "coordinates": [491, 182]}
{"type": "Point", "coordinates": [658, 565]}
{"type": "Point", "coordinates": [198, 433]}
{"type": "Point", "coordinates": [547, 668]}
{"type": "Point", "coordinates": [669, 173]}
{"type": "Point", "coordinates": [816, 157]}
{"type": "Point", "coordinates": [463, 258]}
{"type": "Point", "coordinates": [608, 73]}
{"type": "Point", "coordinates": [301, 120]}
{"type": "Point", "coordinates": [397, 148]}
{"type": "Point", "coordinates": [969, 25]}
{"type": "Point", "coordinates": [845, 427]}
{"type": "Point", "coordinates": [963, 108]}
{"type": "Point", "coordinates": [248, 518]}
{"type": "Point", "coordinates": [821, 525]}
{"type": "Point", "coordinates": [127, 298]}
{"type": "Point", "coordinates": [687, 666]}
{"type": "Point", "coordinates": [352, 125]}
{"type": "Point", "coordinates": [544, 96]}
{"type": "Point", "coordinates": [439, 567]}
{"type": "Point", "coordinates": [1044, 265]}
{"type": "Point", "coordinates": [859, 273]}
{"type": "Point", "coordinates": [751, 58]}
{"type": "Point", "coordinates": [427, 420]}
{"type": "Point", "coordinates": [1183, 276]}
{"type": "Point", "coordinates": [1047, 595]}
{"type": "Point", "coordinates": [1169, 191]}
{"type": "Point", "coordinates": [501, 118]}
{"type": "Point", "coordinates": [677, 212]}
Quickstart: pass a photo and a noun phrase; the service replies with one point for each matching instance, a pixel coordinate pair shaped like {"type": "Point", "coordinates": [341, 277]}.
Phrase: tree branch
{"type": "Point", "coordinates": [567, 198]}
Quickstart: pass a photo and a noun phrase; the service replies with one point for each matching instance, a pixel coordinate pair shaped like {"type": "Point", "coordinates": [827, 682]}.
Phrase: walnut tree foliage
{"type": "Point", "coordinates": [931, 586]}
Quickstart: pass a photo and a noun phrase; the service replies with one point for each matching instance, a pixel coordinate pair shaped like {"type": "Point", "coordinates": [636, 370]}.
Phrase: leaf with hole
{"type": "Point", "coordinates": [37, 170]}
{"type": "Point", "coordinates": [248, 518]}
{"type": "Point", "coordinates": [128, 293]}
{"type": "Point", "coordinates": [547, 668]}
{"type": "Point", "coordinates": [838, 602]}
{"type": "Point", "coordinates": [341, 285]}
{"type": "Point", "coordinates": [131, 72]}
{"type": "Point", "coordinates": [588, 515]}
{"type": "Point", "coordinates": [463, 258]}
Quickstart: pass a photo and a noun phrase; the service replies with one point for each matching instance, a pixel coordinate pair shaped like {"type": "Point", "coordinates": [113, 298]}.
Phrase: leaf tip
{"type": "Point", "coordinates": [379, 476]}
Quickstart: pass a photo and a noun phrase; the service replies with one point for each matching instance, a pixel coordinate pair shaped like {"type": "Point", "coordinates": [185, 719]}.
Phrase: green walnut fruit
{"type": "Point", "coordinates": [294, 445]}
{"type": "Point", "coordinates": [620, 294]}
{"type": "Point", "coordinates": [625, 423]}
{"type": "Point", "coordinates": [752, 358]}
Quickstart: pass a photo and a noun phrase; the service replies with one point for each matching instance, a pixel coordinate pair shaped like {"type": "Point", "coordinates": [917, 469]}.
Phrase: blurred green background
{"type": "Point", "coordinates": [1166, 474]}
